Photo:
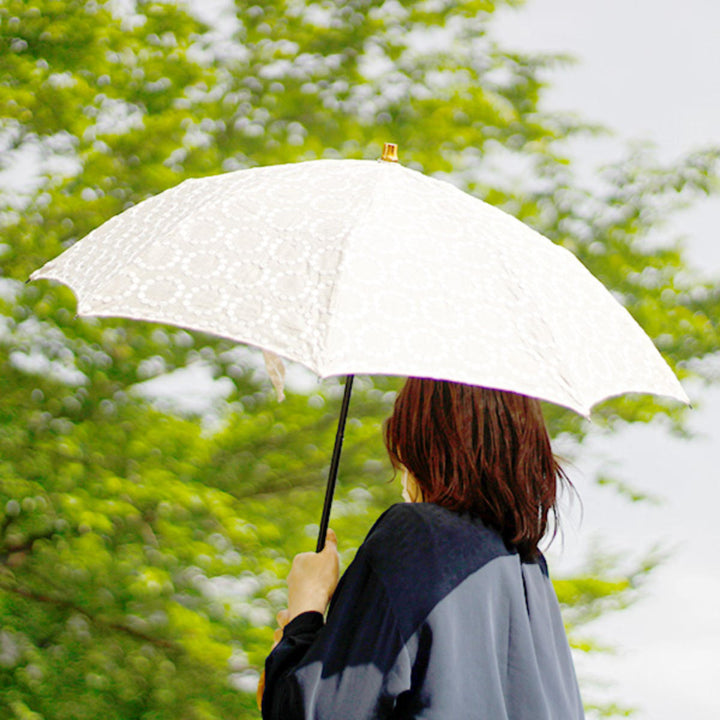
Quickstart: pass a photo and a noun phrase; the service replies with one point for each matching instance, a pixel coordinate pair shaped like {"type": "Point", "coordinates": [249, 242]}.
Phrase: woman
{"type": "Point", "coordinates": [447, 610]}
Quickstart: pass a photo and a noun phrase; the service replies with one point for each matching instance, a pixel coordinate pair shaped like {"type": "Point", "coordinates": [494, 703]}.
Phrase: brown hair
{"type": "Point", "coordinates": [476, 450]}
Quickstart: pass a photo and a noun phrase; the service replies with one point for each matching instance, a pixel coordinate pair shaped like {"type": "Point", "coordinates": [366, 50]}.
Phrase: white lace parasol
{"type": "Point", "coordinates": [352, 266]}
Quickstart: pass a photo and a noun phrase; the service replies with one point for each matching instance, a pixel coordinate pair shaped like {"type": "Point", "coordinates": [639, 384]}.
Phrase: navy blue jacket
{"type": "Point", "coordinates": [435, 619]}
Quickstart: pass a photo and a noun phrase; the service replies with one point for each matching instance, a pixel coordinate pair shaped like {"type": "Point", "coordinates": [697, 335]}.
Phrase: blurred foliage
{"type": "Point", "coordinates": [142, 552]}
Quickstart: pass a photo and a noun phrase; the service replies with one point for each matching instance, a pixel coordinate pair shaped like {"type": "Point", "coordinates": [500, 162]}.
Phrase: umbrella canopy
{"type": "Point", "coordinates": [354, 266]}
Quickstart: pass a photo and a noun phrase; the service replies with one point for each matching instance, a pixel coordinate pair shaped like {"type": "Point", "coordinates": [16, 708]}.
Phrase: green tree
{"type": "Point", "coordinates": [140, 550]}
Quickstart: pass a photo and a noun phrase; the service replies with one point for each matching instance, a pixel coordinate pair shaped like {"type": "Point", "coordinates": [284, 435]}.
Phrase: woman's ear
{"type": "Point", "coordinates": [410, 489]}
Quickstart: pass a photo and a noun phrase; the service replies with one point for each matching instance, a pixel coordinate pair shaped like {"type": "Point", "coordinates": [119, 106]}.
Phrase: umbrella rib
{"type": "Point", "coordinates": [332, 300]}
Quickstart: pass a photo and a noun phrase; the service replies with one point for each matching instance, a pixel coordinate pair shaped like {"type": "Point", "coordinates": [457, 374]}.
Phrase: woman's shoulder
{"type": "Point", "coordinates": [414, 539]}
{"type": "Point", "coordinates": [430, 525]}
{"type": "Point", "coordinates": [420, 552]}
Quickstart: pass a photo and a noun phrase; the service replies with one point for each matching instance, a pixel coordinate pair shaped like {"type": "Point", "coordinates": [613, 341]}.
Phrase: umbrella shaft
{"type": "Point", "coordinates": [334, 463]}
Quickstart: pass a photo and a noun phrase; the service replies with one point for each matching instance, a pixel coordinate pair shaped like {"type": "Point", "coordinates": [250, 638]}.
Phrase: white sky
{"type": "Point", "coordinates": [649, 69]}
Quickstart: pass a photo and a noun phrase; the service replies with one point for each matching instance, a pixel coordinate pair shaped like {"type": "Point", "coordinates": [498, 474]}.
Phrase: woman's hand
{"type": "Point", "coordinates": [283, 617]}
{"type": "Point", "coordinates": [313, 579]}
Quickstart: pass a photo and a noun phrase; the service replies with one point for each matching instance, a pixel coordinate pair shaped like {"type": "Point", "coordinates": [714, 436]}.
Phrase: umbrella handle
{"type": "Point", "coordinates": [334, 463]}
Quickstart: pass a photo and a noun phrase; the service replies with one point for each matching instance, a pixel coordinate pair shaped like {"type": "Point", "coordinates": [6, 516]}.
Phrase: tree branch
{"type": "Point", "coordinates": [68, 605]}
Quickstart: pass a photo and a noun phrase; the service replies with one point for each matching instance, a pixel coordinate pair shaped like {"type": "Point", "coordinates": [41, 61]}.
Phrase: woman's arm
{"type": "Point", "coordinates": [353, 666]}
{"type": "Point", "coordinates": [311, 583]}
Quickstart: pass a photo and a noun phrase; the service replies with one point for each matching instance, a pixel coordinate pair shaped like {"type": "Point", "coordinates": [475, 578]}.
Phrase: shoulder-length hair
{"type": "Point", "coordinates": [481, 451]}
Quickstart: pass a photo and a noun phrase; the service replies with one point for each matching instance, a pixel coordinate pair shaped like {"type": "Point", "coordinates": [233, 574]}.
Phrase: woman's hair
{"type": "Point", "coordinates": [482, 451]}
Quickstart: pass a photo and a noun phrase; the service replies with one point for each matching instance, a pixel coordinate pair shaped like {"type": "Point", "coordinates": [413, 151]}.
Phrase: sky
{"type": "Point", "coordinates": [648, 69]}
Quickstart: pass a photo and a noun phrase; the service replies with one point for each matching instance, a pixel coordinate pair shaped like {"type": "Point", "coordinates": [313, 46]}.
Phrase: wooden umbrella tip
{"type": "Point", "coordinates": [390, 152]}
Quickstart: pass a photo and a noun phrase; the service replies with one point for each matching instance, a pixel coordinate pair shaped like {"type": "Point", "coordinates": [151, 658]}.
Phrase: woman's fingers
{"type": "Point", "coordinates": [260, 690]}
{"type": "Point", "coordinates": [283, 617]}
{"type": "Point", "coordinates": [331, 538]}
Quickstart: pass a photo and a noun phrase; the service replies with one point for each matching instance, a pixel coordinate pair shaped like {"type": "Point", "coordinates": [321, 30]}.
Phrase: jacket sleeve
{"type": "Point", "coordinates": [353, 666]}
